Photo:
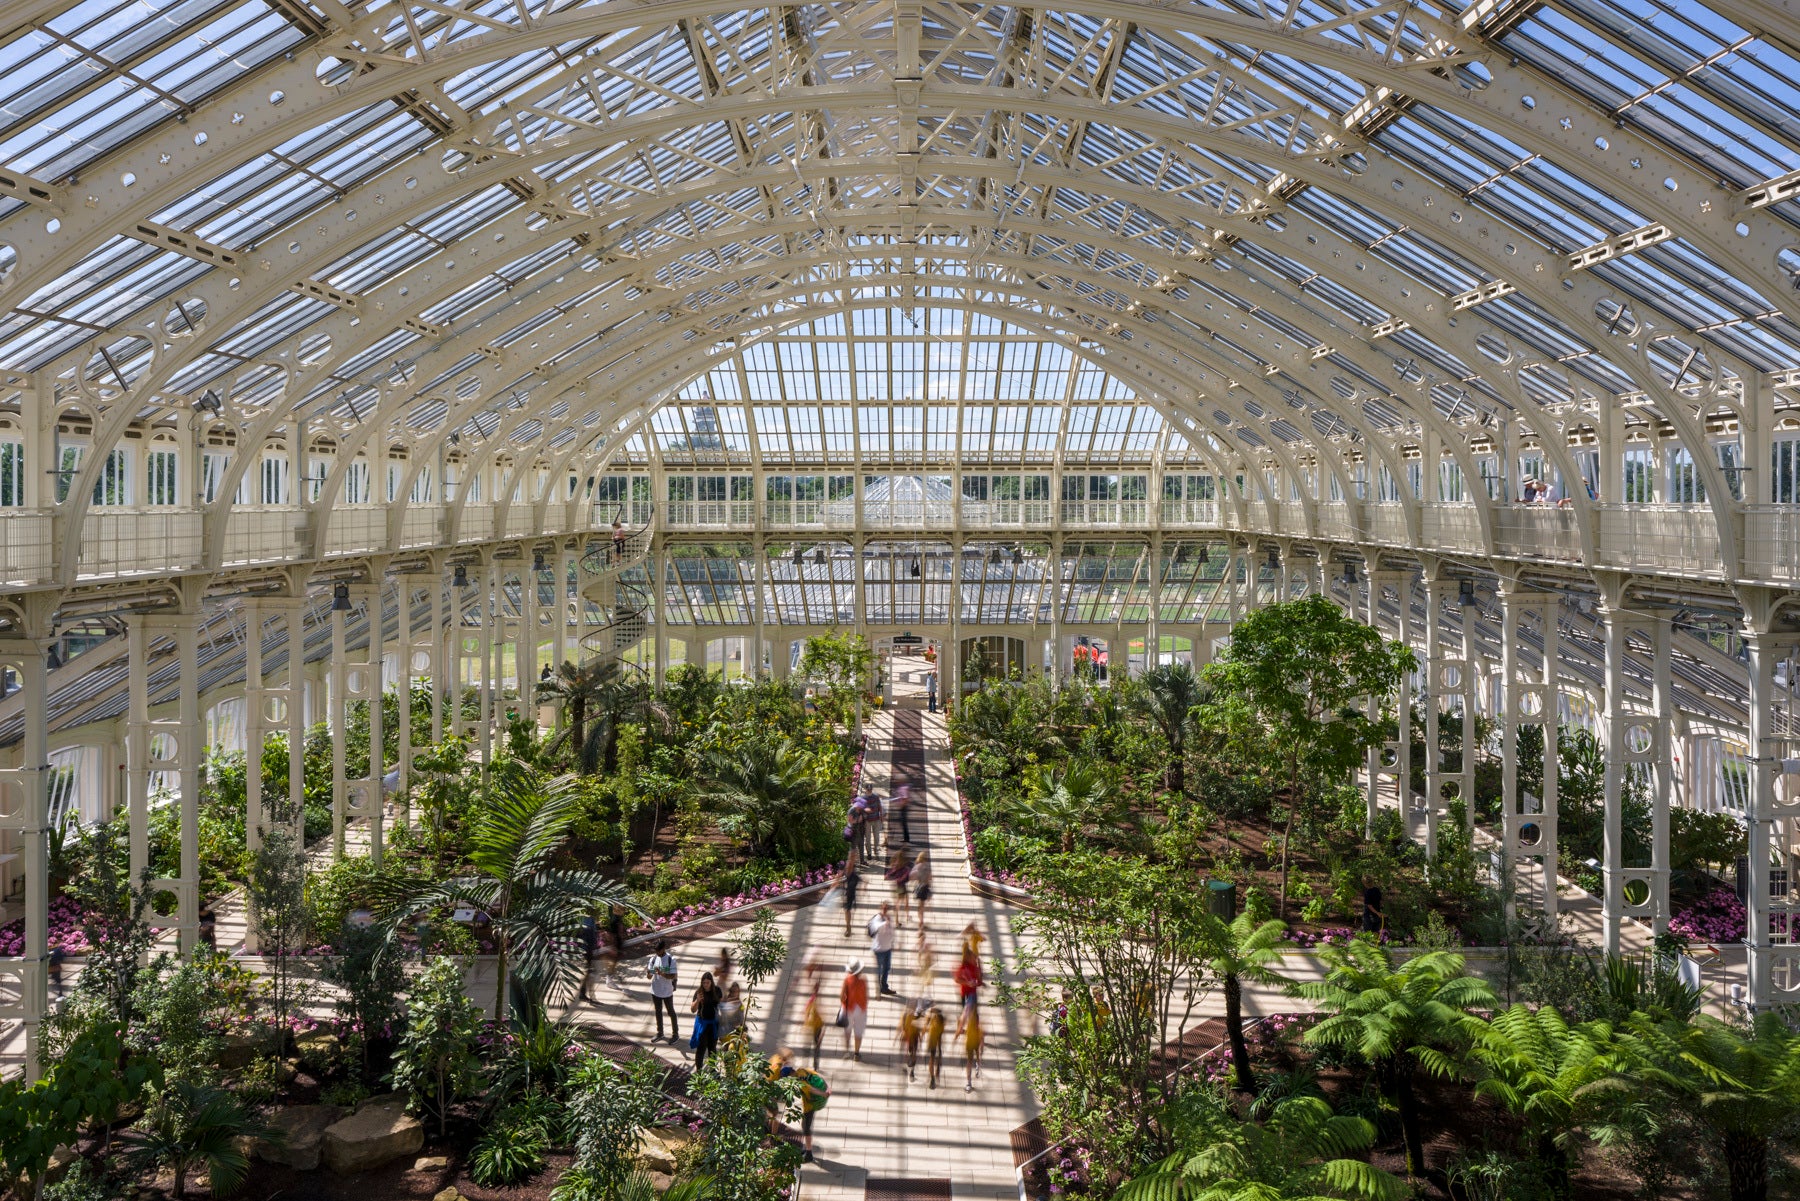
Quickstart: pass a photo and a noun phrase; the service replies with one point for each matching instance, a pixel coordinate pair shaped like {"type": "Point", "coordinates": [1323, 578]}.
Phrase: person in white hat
{"type": "Point", "coordinates": [853, 1008]}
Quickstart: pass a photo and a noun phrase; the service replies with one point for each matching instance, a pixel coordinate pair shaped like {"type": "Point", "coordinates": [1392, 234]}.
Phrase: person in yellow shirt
{"type": "Point", "coordinates": [973, 1041]}
{"type": "Point", "coordinates": [911, 1029]}
{"type": "Point", "coordinates": [934, 1043]}
{"type": "Point", "coordinates": [814, 1021]}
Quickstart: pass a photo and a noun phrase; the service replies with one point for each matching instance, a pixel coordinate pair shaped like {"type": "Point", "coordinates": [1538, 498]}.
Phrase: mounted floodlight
{"type": "Point", "coordinates": [210, 402]}
{"type": "Point", "coordinates": [461, 578]}
{"type": "Point", "coordinates": [340, 598]}
{"type": "Point", "coordinates": [1465, 592]}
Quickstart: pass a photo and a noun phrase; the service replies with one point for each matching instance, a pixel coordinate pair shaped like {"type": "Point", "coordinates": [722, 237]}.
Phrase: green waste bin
{"type": "Point", "coordinates": [1221, 899]}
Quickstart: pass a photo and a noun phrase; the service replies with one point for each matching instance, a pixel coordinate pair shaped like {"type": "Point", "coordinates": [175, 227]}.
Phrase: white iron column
{"type": "Point", "coordinates": [189, 757]}
{"type": "Point", "coordinates": [1529, 822]}
{"type": "Point", "coordinates": [1769, 933]}
{"type": "Point", "coordinates": [1395, 756]}
{"type": "Point", "coordinates": [256, 711]}
{"type": "Point", "coordinates": [490, 635]}
{"type": "Point", "coordinates": [162, 746]}
{"type": "Point", "coordinates": [137, 744]}
{"type": "Point", "coordinates": [25, 809]}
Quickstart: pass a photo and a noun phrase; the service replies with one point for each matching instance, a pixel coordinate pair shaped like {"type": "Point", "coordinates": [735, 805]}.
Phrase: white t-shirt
{"type": "Point", "coordinates": [881, 934]}
{"type": "Point", "coordinates": [662, 985]}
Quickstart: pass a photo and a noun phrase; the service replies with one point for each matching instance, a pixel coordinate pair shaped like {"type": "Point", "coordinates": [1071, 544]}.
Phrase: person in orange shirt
{"type": "Point", "coordinates": [853, 1002]}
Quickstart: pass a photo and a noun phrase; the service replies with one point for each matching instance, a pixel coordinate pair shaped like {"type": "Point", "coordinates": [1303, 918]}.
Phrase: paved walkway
{"type": "Point", "coordinates": [879, 1125]}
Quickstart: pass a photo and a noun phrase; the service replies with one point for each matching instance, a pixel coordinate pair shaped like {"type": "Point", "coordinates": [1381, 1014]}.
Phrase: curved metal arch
{"type": "Point", "coordinates": [1274, 447]}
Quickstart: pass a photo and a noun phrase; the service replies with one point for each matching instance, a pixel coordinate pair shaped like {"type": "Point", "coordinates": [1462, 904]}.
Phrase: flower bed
{"type": "Point", "coordinates": [1330, 936]}
{"type": "Point", "coordinates": [1716, 917]}
{"type": "Point", "coordinates": [65, 931]}
{"type": "Point", "coordinates": [977, 869]}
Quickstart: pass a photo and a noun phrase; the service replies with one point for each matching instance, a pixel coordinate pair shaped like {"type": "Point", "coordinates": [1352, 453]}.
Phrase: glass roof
{"type": "Point", "coordinates": [826, 233]}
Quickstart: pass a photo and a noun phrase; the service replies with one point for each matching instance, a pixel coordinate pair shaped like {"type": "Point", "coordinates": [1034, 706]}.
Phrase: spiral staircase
{"type": "Point", "coordinates": [624, 601]}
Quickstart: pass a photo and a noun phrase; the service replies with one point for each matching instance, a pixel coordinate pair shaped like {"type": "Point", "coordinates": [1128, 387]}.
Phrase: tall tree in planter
{"type": "Point", "coordinates": [536, 907]}
{"type": "Point", "coordinates": [436, 1061]}
{"type": "Point", "coordinates": [1170, 693]}
{"type": "Point", "coordinates": [1401, 1021]}
{"type": "Point", "coordinates": [115, 913]}
{"type": "Point", "coordinates": [1294, 679]}
{"type": "Point", "coordinates": [840, 664]}
{"type": "Point", "coordinates": [282, 918]}
{"type": "Point", "coordinates": [1241, 950]}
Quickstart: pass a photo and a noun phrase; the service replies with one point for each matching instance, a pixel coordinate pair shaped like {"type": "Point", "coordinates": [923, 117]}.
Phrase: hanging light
{"type": "Point", "coordinates": [52, 660]}
{"type": "Point", "coordinates": [1349, 573]}
{"type": "Point", "coordinates": [537, 560]}
{"type": "Point", "coordinates": [915, 567]}
{"type": "Point", "coordinates": [819, 556]}
{"type": "Point", "coordinates": [798, 556]}
{"type": "Point", "coordinates": [340, 598]}
{"type": "Point", "coordinates": [994, 557]}
{"type": "Point", "coordinates": [1203, 554]}
{"type": "Point", "coordinates": [1274, 559]}
{"type": "Point", "coordinates": [461, 578]}
{"type": "Point", "coordinates": [1465, 592]}
{"type": "Point", "coordinates": [1018, 556]}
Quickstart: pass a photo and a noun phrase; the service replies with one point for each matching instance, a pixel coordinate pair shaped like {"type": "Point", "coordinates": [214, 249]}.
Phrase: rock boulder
{"type": "Point", "coordinates": [302, 1130]}
{"type": "Point", "coordinates": [372, 1136]}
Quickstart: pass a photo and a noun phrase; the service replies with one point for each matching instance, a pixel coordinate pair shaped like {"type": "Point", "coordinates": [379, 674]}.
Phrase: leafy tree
{"type": "Point", "coordinates": [199, 1124]}
{"type": "Point", "coordinates": [606, 691]}
{"type": "Point", "coordinates": [761, 950]}
{"type": "Point", "coordinates": [764, 787]}
{"type": "Point", "coordinates": [1304, 1152]}
{"type": "Point", "coordinates": [185, 1006]}
{"type": "Point", "coordinates": [1169, 694]}
{"type": "Point", "coordinates": [1066, 801]}
{"type": "Point", "coordinates": [738, 1152]}
{"type": "Point", "coordinates": [1294, 678]}
{"type": "Point", "coordinates": [444, 787]}
{"type": "Point", "coordinates": [281, 915]}
{"type": "Point", "coordinates": [536, 907]}
{"type": "Point", "coordinates": [368, 971]}
{"type": "Point", "coordinates": [1242, 950]}
{"type": "Point", "coordinates": [1400, 1021]}
{"type": "Point", "coordinates": [1542, 1069]}
{"type": "Point", "coordinates": [84, 1084]}
{"type": "Point", "coordinates": [114, 921]}
{"type": "Point", "coordinates": [1742, 1086]}
{"type": "Point", "coordinates": [1119, 943]}
{"type": "Point", "coordinates": [840, 665]}
{"type": "Point", "coordinates": [436, 1061]}
{"type": "Point", "coordinates": [610, 1106]}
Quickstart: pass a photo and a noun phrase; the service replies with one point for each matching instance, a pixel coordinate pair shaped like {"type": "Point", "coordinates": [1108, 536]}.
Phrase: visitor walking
{"type": "Point", "coordinates": [814, 1019]}
{"type": "Point", "coordinates": [853, 1008]}
{"type": "Point", "coordinates": [662, 989]}
{"type": "Point", "coordinates": [902, 802]}
{"type": "Point", "coordinates": [615, 932]}
{"type": "Point", "coordinates": [973, 1041]}
{"type": "Point", "coordinates": [921, 882]}
{"type": "Point", "coordinates": [722, 970]}
{"type": "Point", "coordinates": [705, 1008]}
{"type": "Point", "coordinates": [846, 887]}
{"type": "Point", "coordinates": [814, 1092]}
{"type": "Point", "coordinates": [881, 944]}
{"type": "Point", "coordinates": [927, 954]}
{"type": "Point", "coordinates": [931, 692]}
{"type": "Point", "coordinates": [968, 986]}
{"type": "Point", "coordinates": [590, 948]}
{"type": "Point", "coordinates": [618, 536]}
{"type": "Point", "coordinates": [899, 871]}
{"type": "Point", "coordinates": [912, 1029]}
{"type": "Point", "coordinates": [731, 1011]}
{"type": "Point", "coordinates": [934, 1044]}
{"type": "Point", "coordinates": [870, 835]}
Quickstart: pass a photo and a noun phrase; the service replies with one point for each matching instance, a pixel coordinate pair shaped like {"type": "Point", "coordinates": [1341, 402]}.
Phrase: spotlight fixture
{"type": "Point", "coordinates": [1018, 557]}
{"type": "Point", "coordinates": [340, 598]}
{"type": "Point", "coordinates": [1465, 592]}
{"type": "Point", "coordinates": [210, 402]}
{"type": "Point", "coordinates": [461, 578]}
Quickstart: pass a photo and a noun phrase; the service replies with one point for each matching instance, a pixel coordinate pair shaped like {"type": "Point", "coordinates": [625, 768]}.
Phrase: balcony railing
{"type": "Point", "coordinates": [117, 542]}
{"type": "Point", "coordinates": [1537, 532]}
{"type": "Point", "coordinates": [1678, 538]}
{"type": "Point", "coordinates": [263, 534]}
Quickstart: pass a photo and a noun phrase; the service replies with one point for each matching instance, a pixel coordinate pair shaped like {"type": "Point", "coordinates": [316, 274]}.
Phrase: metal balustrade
{"type": "Point", "coordinates": [1662, 539]}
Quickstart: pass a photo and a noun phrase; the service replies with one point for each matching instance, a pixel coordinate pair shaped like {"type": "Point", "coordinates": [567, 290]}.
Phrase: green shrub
{"type": "Point", "coordinates": [512, 1148]}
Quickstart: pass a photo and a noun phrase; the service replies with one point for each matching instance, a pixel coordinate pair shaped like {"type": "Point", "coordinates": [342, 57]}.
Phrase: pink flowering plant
{"type": "Point", "coordinates": [1714, 918]}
